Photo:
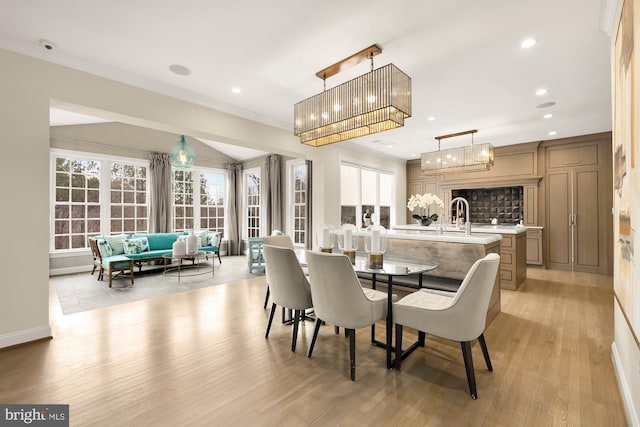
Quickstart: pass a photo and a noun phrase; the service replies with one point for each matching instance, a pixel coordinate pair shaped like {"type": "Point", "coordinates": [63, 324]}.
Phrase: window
{"type": "Point", "coordinates": [77, 202]}
{"type": "Point", "coordinates": [95, 195]}
{"type": "Point", "coordinates": [128, 198]}
{"type": "Point", "coordinates": [212, 190]}
{"type": "Point", "coordinates": [183, 208]}
{"type": "Point", "coordinates": [365, 195]}
{"type": "Point", "coordinates": [198, 206]}
{"type": "Point", "coordinates": [252, 202]}
{"type": "Point", "coordinates": [298, 201]}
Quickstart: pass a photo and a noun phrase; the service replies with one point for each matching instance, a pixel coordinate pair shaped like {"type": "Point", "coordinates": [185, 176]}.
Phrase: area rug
{"type": "Point", "coordinates": [82, 291]}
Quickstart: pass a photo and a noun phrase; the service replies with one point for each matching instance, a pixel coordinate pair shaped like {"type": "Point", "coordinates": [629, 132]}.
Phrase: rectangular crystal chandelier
{"type": "Point", "coordinates": [377, 101]}
{"type": "Point", "coordinates": [473, 158]}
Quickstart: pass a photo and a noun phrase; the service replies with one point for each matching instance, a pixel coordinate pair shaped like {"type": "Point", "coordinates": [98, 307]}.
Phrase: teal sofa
{"type": "Point", "coordinates": [161, 244]}
{"type": "Point", "coordinates": [120, 253]}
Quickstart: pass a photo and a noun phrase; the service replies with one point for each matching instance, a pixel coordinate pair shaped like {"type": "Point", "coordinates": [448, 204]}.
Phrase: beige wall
{"type": "Point", "coordinates": [31, 86]}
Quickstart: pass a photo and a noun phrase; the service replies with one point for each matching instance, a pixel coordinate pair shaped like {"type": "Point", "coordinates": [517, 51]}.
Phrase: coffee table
{"type": "Point", "coordinates": [195, 264]}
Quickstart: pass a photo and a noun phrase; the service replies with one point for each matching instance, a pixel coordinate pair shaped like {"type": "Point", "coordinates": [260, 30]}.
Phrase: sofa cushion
{"type": "Point", "coordinates": [160, 241]}
{"type": "Point", "coordinates": [104, 248]}
{"type": "Point", "coordinates": [203, 236]}
{"type": "Point", "coordinates": [147, 255]}
{"type": "Point", "coordinates": [115, 261]}
{"type": "Point", "coordinates": [117, 243]}
{"type": "Point", "coordinates": [213, 239]}
{"type": "Point", "coordinates": [136, 245]}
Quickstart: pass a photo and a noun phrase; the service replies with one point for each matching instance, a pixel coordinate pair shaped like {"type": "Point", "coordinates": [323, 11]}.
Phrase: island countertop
{"type": "Point", "coordinates": [475, 228]}
{"type": "Point", "coordinates": [432, 235]}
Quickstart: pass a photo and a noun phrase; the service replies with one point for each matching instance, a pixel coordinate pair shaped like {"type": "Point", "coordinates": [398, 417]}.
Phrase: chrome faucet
{"type": "Point", "coordinates": [459, 202]}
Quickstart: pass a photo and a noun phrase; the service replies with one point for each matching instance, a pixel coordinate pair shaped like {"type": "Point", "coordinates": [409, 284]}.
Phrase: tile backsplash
{"type": "Point", "coordinates": [504, 203]}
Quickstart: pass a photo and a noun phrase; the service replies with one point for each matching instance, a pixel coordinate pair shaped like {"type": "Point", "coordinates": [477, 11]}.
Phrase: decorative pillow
{"type": "Point", "coordinates": [104, 248]}
{"type": "Point", "coordinates": [213, 239]}
{"type": "Point", "coordinates": [203, 237]}
{"type": "Point", "coordinates": [135, 246]}
{"type": "Point", "coordinates": [116, 243]}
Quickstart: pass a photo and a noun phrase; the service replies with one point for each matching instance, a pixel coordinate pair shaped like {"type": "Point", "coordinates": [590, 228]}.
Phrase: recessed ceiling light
{"type": "Point", "coordinates": [541, 91]}
{"type": "Point", "coordinates": [180, 70]}
{"type": "Point", "coordinates": [235, 90]}
{"type": "Point", "coordinates": [46, 44]}
{"type": "Point", "coordinates": [552, 133]}
{"type": "Point", "coordinates": [527, 43]}
{"type": "Point", "coordinates": [431, 118]}
{"type": "Point", "coordinates": [546, 104]}
{"type": "Point", "coordinates": [548, 116]}
{"type": "Point", "coordinates": [413, 154]}
{"type": "Point", "coordinates": [389, 145]}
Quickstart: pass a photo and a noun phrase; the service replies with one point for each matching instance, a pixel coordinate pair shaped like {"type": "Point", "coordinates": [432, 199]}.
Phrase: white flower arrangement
{"type": "Point", "coordinates": [424, 201]}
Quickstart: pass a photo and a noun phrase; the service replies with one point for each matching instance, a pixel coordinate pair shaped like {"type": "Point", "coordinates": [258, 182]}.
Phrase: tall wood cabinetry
{"type": "Point", "coordinates": [578, 200]}
{"type": "Point", "coordinates": [515, 165]}
{"type": "Point", "coordinates": [419, 183]}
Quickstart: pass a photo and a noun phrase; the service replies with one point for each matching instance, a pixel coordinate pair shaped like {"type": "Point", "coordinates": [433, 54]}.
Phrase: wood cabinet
{"type": "Point", "coordinates": [530, 216]}
{"type": "Point", "coordinates": [578, 203]}
{"type": "Point", "coordinates": [534, 247]}
{"type": "Point", "coordinates": [515, 165]}
{"type": "Point", "coordinates": [419, 183]}
{"type": "Point", "coordinates": [566, 189]}
{"type": "Point", "coordinates": [513, 260]}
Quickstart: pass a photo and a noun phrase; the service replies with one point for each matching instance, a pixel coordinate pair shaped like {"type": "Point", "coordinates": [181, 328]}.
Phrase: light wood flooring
{"type": "Point", "coordinates": [200, 358]}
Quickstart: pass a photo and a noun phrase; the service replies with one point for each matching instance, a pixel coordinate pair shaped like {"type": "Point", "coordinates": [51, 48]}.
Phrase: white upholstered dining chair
{"type": "Point", "coordinates": [281, 240]}
{"type": "Point", "coordinates": [339, 299]}
{"type": "Point", "coordinates": [458, 316]}
{"type": "Point", "coordinates": [288, 284]}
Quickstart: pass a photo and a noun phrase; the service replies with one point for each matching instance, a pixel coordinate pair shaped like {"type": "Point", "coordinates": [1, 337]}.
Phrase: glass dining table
{"type": "Point", "coordinates": [390, 269]}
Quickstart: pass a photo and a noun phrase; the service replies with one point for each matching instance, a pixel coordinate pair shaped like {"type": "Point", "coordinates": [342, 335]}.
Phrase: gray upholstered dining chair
{"type": "Point", "coordinates": [289, 285]}
{"type": "Point", "coordinates": [281, 240]}
{"type": "Point", "coordinates": [458, 316]}
{"type": "Point", "coordinates": [339, 299]}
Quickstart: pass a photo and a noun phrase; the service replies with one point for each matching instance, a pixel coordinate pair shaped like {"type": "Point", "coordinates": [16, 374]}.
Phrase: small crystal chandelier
{"type": "Point", "coordinates": [373, 102]}
{"type": "Point", "coordinates": [182, 156]}
{"type": "Point", "coordinates": [478, 157]}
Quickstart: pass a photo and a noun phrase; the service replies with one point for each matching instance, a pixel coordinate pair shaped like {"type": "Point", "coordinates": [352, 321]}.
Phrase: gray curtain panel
{"type": "Point", "coordinates": [308, 235]}
{"type": "Point", "coordinates": [160, 215]}
{"type": "Point", "coordinates": [233, 207]}
{"type": "Point", "coordinates": [273, 193]}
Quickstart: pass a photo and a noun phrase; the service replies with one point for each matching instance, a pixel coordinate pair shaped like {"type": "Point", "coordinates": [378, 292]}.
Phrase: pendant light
{"type": "Point", "coordinates": [182, 156]}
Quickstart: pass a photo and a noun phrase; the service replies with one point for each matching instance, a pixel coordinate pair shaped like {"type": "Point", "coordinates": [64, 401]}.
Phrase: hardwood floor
{"type": "Point", "coordinates": [200, 358]}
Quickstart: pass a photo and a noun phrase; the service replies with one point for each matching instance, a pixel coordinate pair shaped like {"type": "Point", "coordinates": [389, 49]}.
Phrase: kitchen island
{"type": "Point", "coordinates": [454, 252]}
{"type": "Point", "coordinates": [513, 247]}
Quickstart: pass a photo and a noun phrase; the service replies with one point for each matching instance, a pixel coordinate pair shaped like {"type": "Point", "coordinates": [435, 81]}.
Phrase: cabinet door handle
{"type": "Point", "coordinates": [573, 219]}
{"type": "Point", "coordinates": [573, 163]}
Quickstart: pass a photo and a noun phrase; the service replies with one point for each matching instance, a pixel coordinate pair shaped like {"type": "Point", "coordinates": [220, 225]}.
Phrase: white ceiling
{"type": "Point", "coordinates": [464, 57]}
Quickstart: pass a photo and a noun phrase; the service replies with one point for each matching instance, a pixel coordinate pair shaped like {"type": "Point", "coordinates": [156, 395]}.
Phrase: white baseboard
{"type": "Point", "coordinates": [26, 335]}
{"type": "Point", "coordinates": [630, 411]}
{"type": "Point", "coordinates": [70, 270]}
